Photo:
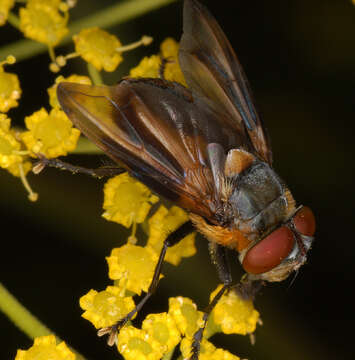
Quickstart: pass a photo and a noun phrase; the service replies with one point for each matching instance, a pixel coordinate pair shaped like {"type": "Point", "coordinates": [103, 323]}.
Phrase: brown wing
{"type": "Point", "coordinates": [212, 70]}
{"type": "Point", "coordinates": [159, 131]}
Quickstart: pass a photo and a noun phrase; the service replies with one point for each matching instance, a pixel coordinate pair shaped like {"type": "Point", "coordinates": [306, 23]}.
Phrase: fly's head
{"type": "Point", "coordinates": [283, 250]}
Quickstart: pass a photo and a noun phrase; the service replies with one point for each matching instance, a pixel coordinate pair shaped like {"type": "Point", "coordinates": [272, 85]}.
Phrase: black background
{"type": "Point", "coordinates": [299, 56]}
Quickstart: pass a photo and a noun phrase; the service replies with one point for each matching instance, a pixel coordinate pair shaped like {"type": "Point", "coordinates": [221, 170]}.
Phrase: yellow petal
{"type": "Point", "coordinates": [133, 266]}
{"type": "Point", "coordinates": [45, 348]}
{"type": "Point", "coordinates": [126, 200]}
{"type": "Point", "coordinates": [98, 47]}
{"type": "Point", "coordinates": [233, 314]}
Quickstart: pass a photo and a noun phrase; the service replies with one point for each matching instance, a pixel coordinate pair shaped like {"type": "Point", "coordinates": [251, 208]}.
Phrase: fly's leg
{"type": "Point", "coordinates": [173, 238]}
{"type": "Point", "coordinates": [248, 286]}
{"type": "Point", "coordinates": [59, 164]}
{"type": "Point", "coordinates": [247, 289]}
{"type": "Point", "coordinates": [220, 259]}
{"type": "Point", "coordinates": [162, 66]}
{"type": "Point", "coordinates": [196, 343]}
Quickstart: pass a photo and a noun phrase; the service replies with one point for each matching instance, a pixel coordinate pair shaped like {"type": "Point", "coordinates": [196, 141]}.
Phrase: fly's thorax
{"type": "Point", "coordinates": [253, 202]}
{"type": "Point", "coordinates": [259, 201]}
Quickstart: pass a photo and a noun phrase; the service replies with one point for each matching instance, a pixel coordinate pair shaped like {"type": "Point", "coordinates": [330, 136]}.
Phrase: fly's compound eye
{"type": "Point", "coordinates": [269, 252]}
{"type": "Point", "coordinates": [305, 222]}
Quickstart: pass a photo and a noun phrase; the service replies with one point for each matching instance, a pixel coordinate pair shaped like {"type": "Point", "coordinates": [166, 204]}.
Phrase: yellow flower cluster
{"type": "Point", "coordinates": [98, 47]}
{"type": "Point", "coordinates": [106, 307]}
{"type": "Point", "coordinates": [241, 322]}
{"type": "Point", "coordinates": [150, 66]}
{"type": "Point", "coordinates": [127, 200]}
{"type": "Point", "coordinates": [132, 267]}
{"type": "Point", "coordinates": [44, 21]}
{"type": "Point", "coordinates": [45, 348]}
{"type": "Point", "coordinates": [188, 318]}
{"type": "Point", "coordinates": [10, 90]}
{"type": "Point", "coordinates": [135, 343]}
{"type": "Point", "coordinates": [49, 134]}
{"type": "Point", "coordinates": [157, 337]}
{"type": "Point", "coordinates": [162, 223]}
{"type": "Point", "coordinates": [207, 352]}
{"type": "Point", "coordinates": [11, 157]}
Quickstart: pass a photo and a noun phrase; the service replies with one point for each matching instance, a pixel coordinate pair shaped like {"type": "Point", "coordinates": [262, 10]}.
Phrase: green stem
{"type": "Point", "coordinates": [105, 18]}
{"type": "Point", "coordinates": [23, 319]}
{"type": "Point", "coordinates": [51, 53]}
{"type": "Point", "coordinates": [14, 20]}
{"type": "Point", "coordinates": [20, 316]}
{"type": "Point", "coordinates": [86, 147]}
{"type": "Point", "coordinates": [94, 75]}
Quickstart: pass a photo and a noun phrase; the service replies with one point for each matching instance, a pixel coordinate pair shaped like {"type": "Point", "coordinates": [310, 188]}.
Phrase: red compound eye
{"type": "Point", "coordinates": [304, 221]}
{"type": "Point", "coordinates": [269, 252]}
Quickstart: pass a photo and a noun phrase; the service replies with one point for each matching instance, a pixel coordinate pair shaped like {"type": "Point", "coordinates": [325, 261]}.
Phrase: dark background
{"type": "Point", "coordinates": [299, 57]}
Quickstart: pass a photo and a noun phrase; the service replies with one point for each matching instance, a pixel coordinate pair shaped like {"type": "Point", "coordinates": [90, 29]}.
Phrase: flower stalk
{"type": "Point", "coordinates": [23, 319]}
{"type": "Point", "coordinates": [20, 316]}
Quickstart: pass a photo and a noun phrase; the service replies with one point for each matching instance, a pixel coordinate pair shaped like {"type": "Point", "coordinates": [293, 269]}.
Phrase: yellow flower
{"type": "Point", "coordinates": [162, 223]}
{"type": "Point", "coordinates": [150, 66]}
{"type": "Point", "coordinates": [45, 348]}
{"type": "Point", "coordinates": [207, 351]}
{"type": "Point", "coordinates": [147, 68]}
{"type": "Point", "coordinates": [98, 48]}
{"type": "Point", "coordinates": [10, 156]}
{"type": "Point", "coordinates": [5, 122]}
{"type": "Point", "coordinates": [233, 314]}
{"type": "Point", "coordinates": [135, 344]}
{"type": "Point", "coordinates": [133, 266]}
{"type": "Point", "coordinates": [162, 328]}
{"type": "Point", "coordinates": [188, 319]}
{"type": "Point", "coordinates": [8, 144]}
{"type": "Point", "coordinates": [42, 21]}
{"type": "Point", "coordinates": [169, 49]}
{"type": "Point", "coordinates": [50, 134]}
{"type": "Point", "coordinates": [106, 307]}
{"type": "Point", "coordinates": [10, 90]}
{"type": "Point", "coordinates": [126, 200]}
{"type": "Point", "coordinates": [5, 7]}
{"type": "Point", "coordinates": [52, 91]}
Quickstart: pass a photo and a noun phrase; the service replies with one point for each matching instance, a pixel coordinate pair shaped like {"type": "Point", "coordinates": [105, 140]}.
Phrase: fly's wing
{"type": "Point", "coordinates": [212, 70]}
{"type": "Point", "coordinates": [158, 130]}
